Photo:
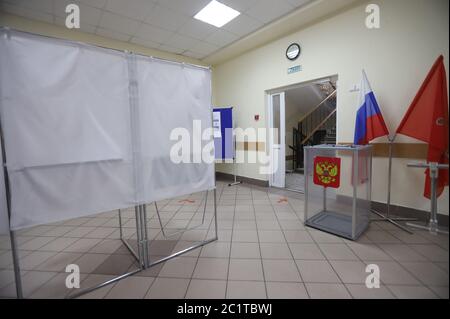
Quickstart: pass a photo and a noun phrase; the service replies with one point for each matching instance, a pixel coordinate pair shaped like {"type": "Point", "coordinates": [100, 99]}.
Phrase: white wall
{"type": "Point", "coordinates": [396, 58]}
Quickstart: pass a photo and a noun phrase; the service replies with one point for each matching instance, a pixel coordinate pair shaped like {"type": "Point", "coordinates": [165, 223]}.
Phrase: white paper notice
{"type": "Point", "coordinates": [216, 125]}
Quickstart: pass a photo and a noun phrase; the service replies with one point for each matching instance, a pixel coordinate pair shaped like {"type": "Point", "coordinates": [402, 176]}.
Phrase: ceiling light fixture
{"type": "Point", "coordinates": [217, 14]}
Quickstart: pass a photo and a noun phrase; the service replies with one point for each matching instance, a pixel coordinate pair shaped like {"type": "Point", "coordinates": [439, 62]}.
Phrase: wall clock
{"type": "Point", "coordinates": [293, 51]}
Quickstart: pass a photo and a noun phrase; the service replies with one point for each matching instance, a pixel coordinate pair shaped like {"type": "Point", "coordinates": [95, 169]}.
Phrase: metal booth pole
{"type": "Point", "coordinates": [236, 182]}
{"type": "Point", "coordinates": [432, 226]}
{"type": "Point", "coordinates": [12, 235]}
{"type": "Point", "coordinates": [387, 217]}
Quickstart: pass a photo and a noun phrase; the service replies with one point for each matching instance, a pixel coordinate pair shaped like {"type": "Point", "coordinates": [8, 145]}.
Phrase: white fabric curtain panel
{"type": "Point", "coordinates": [172, 96]}
{"type": "Point", "coordinates": [87, 129]}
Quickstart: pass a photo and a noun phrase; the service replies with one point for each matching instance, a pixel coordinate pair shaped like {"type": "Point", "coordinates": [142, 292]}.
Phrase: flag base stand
{"type": "Point", "coordinates": [236, 182]}
{"type": "Point", "coordinates": [393, 221]}
{"type": "Point", "coordinates": [432, 226]}
{"type": "Point", "coordinates": [387, 217]}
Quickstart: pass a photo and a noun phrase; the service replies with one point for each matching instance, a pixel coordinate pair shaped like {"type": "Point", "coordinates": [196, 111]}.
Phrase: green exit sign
{"type": "Point", "coordinates": [294, 69]}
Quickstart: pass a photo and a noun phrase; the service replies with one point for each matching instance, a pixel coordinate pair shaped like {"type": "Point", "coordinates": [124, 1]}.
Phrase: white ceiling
{"type": "Point", "coordinates": [166, 25]}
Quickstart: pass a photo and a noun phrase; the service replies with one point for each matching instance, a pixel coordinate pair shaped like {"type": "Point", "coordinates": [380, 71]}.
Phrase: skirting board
{"type": "Point", "coordinates": [230, 177]}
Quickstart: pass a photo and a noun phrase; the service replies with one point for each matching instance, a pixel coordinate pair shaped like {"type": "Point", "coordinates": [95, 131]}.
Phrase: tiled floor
{"type": "Point", "coordinates": [295, 181]}
{"type": "Point", "coordinates": [263, 251]}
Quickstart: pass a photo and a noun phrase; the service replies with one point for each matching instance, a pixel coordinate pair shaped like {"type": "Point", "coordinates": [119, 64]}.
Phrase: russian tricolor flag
{"type": "Point", "coordinates": [369, 121]}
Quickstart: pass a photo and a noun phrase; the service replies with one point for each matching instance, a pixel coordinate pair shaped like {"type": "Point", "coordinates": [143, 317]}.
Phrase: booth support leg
{"type": "Point", "coordinates": [12, 235]}
{"type": "Point", "coordinates": [215, 216]}
{"type": "Point", "coordinates": [145, 235]}
{"type": "Point", "coordinates": [203, 243]}
{"type": "Point", "coordinates": [120, 224]}
{"type": "Point", "coordinates": [15, 255]}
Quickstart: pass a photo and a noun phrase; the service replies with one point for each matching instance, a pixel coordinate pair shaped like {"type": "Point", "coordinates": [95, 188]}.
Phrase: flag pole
{"type": "Point", "coordinates": [387, 217]}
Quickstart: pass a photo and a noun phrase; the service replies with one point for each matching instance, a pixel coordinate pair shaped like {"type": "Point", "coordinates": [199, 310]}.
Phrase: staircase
{"type": "Point", "coordinates": [316, 127]}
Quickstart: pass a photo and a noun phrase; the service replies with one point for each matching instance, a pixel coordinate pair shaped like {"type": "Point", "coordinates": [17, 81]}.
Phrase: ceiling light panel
{"type": "Point", "coordinates": [217, 14]}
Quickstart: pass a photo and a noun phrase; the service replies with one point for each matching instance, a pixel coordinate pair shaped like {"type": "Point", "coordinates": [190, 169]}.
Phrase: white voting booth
{"type": "Point", "coordinates": [87, 130]}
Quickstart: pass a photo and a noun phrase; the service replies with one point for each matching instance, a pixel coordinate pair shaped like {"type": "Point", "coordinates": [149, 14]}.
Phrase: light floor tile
{"type": "Point", "coordinates": [216, 249]}
{"type": "Point", "coordinates": [55, 288]}
{"type": "Point", "coordinates": [179, 267]}
{"type": "Point", "coordinates": [432, 252]}
{"type": "Point", "coordinates": [402, 252]}
{"type": "Point", "coordinates": [275, 251]}
{"type": "Point", "coordinates": [369, 252]}
{"type": "Point", "coordinates": [34, 259]}
{"type": "Point", "coordinates": [391, 273]}
{"type": "Point", "coordinates": [89, 262]}
{"type": "Point", "coordinates": [58, 262]}
{"type": "Point", "coordinates": [271, 236]}
{"type": "Point", "coordinates": [245, 269]}
{"type": "Point", "coordinates": [350, 272]}
{"type": "Point", "coordinates": [92, 281]}
{"type": "Point", "coordinates": [442, 292]}
{"type": "Point", "coordinates": [211, 268]}
{"type": "Point", "coordinates": [245, 250]}
{"type": "Point", "coordinates": [298, 236]}
{"type": "Point", "coordinates": [281, 270]}
{"type": "Point", "coordinates": [324, 238]}
{"type": "Point", "coordinates": [306, 251]}
{"type": "Point", "coordinates": [130, 288]}
{"type": "Point", "coordinates": [362, 292]}
{"type": "Point", "coordinates": [428, 273]}
{"type": "Point", "coordinates": [246, 290]}
{"type": "Point", "coordinates": [286, 290]}
{"type": "Point", "coordinates": [412, 292]}
{"type": "Point", "coordinates": [249, 236]}
{"type": "Point", "coordinates": [59, 244]}
{"type": "Point", "coordinates": [327, 291]}
{"type": "Point", "coordinates": [337, 252]}
{"type": "Point", "coordinates": [36, 243]}
{"type": "Point", "coordinates": [31, 281]}
{"type": "Point", "coordinates": [317, 271]}
{"type": "Point", "coordinates": [168, 288]}
{"type": "Point", "coordinates": [206, 289]}
{"type": "Point", "coordinates": [82, 245]}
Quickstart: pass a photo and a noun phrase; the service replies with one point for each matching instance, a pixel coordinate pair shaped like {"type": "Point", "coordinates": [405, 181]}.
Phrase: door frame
{"type": "Point", "coordinates": [282, 89]}
{"type": "Point", "coordinates": [282, 136]}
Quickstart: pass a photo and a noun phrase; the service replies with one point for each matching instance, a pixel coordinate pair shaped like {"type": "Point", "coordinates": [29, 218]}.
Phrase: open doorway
{"type": "Point", "coordinates": [306, 113]}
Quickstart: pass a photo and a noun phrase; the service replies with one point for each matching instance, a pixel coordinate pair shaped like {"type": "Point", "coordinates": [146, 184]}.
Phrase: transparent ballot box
{"type": "Point", "coordinates": [338, 188]}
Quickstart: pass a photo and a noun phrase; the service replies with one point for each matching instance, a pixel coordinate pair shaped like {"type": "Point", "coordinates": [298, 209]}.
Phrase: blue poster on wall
{"type": "Point", "coordinates": [223, 133]}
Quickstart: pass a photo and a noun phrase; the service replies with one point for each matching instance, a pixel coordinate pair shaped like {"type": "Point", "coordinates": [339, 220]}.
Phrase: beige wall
{"type": "Point", "coordinates": [47, 29]}
{"type": "Point", "coordinates": [396, 58]}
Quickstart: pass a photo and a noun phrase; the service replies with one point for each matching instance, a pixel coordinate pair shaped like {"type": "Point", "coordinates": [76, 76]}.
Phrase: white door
{"type": "Point", "coordinates": [277, 139]}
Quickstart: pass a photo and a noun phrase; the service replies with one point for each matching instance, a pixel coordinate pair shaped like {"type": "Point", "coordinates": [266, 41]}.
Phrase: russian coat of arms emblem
{"type": "Point", "coordinates": [327, 171]}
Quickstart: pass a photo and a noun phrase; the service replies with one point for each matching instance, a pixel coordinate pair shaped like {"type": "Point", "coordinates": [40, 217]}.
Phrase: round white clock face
{"type": "Point", "coordinates": [293, 51]}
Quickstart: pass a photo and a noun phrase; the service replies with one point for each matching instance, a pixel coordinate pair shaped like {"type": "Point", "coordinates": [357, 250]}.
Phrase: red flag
{"type": "Point", "coordinates": [427, 120]}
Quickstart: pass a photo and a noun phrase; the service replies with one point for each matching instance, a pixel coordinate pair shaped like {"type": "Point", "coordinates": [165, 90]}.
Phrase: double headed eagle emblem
{"type": "Point", "coordinates": [327, 172]}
